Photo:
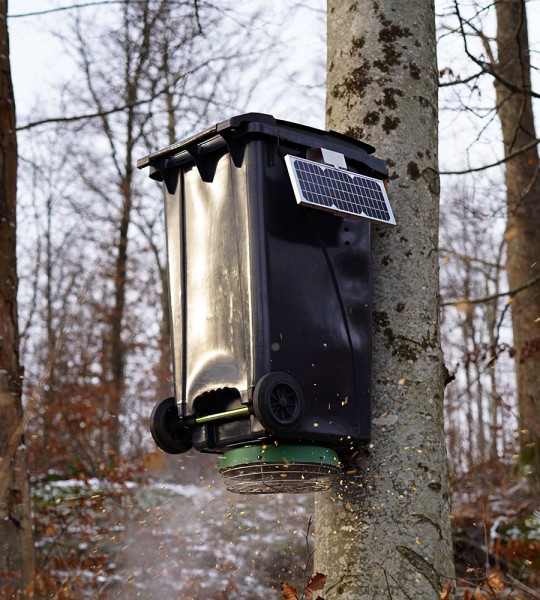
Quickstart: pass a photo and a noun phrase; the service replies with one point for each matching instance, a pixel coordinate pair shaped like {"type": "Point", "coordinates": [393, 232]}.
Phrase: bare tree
{"type": "Point", "coordinates": [506, 59]}
{"type": "Point", "coordinates": [476, 333]}
{"type": "Point", "coordinates": [384, 530]}
{"type": "Point", "coordinates": [512, 72]}
{"type": "Point", "coordinates": [16, 547]}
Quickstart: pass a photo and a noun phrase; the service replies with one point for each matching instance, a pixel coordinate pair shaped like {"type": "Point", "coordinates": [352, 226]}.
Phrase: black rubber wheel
{"type": "Point", "coordinates": [277, 402]}
{"type": "Point", "coordinates": [167, 429]}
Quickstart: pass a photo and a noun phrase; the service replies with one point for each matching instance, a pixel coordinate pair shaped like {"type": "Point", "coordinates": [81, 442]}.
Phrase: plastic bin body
{"type": "Point", "coordinates": [259, 284]}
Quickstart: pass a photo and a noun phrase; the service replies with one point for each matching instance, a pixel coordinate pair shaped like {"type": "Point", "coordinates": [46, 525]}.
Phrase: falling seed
{"type": "Point", "coordinates": [401, 381]}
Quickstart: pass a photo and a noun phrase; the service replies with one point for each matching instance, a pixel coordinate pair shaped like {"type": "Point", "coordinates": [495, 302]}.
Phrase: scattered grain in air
{"type": "Point", "coordinates": [345, 400]}
{"type": "Point", "coordinates": [418, 542]}
{"type": "Point", "coordinates": [401, 381]}
{"type": "Point", "coordinates": [419, 452]}
{"type": "Point", "coordinates": [315, 424]}
{"type": "Point", "coordinates": [242, 513]}
{"type": "Point", "coordinates": [198, 532]}
{"type": "Point", "coordinates": [283, 475]}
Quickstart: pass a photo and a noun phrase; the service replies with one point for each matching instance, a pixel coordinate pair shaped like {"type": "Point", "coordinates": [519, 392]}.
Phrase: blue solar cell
{"type": "Point", "coordinates": [340, 191]}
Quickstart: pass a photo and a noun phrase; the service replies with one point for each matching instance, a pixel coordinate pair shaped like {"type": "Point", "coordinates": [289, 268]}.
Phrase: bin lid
{"type": "Point", "coordinates": [263, 125]}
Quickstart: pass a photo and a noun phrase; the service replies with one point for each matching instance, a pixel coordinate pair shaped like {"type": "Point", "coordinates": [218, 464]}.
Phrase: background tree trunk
{"type": "Point", "coordinates": [384, 531]}
{"type": "Point", "coordinates": [16, 547]}
{"type": "Point", "coordinates": [514, 107]}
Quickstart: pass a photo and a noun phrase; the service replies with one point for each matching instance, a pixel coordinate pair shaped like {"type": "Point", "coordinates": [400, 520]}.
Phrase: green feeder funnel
{"type": "Point", "coordinates": [270, 469]}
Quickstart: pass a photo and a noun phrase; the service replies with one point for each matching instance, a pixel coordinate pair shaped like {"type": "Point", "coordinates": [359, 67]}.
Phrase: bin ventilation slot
{"type": "Point", "coordinates": [339, 191]}
{"type": "Point", "coordinates": [283, 468]}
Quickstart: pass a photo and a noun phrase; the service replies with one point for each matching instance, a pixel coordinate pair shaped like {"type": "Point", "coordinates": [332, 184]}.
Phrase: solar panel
{"type": "Point", "coordinates": [339, 191]}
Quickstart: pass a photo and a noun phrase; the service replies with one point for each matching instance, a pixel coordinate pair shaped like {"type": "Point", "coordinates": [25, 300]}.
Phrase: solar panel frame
{"type": "Point", "coordinates": [339, 191]}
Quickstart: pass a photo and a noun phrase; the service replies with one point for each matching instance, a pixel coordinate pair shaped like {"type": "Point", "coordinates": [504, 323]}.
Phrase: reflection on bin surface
{"type": "Point", "coordinates": [270, 301]}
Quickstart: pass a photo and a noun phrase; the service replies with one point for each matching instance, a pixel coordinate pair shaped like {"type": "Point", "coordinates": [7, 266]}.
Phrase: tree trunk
{"type": "Point", "coordinates": [384, 531]}
{"type": "Point", "coordinates": [16, 547]}
{"type": "Point", "coordinates": [514, 107]}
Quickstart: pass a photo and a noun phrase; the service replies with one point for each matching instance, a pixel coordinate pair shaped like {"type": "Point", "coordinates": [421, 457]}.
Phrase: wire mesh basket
{"type": "Point", "coordinates": [270, 469]}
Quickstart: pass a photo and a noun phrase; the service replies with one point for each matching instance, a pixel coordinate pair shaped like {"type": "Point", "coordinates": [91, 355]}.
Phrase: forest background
{"type": "Point", "coordinates": [101, 85]}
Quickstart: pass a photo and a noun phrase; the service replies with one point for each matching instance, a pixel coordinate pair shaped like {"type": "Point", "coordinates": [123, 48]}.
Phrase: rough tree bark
{"type": "Point", "coordinates": [16, 547]}
{"type": "Point", "coordinates": [384, 530]}
{"type": "Point", "coordinates": [514, 107]}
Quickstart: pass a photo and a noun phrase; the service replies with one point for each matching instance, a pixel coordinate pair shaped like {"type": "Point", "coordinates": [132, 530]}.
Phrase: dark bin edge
{"type": "Point", "coordinates": [266, 123]}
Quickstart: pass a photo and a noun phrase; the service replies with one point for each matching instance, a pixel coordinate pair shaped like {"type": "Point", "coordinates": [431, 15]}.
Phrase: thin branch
{"type": "Point", "coordinates": [486, 299]}
{"type": "Point", "coordinates": [495, 164]}
{"type": "Point", "coordinates": [94, 115]}
{"type": "Point", "coordinates": [63, 8]}
{"type": "Point", "coordinates": [467, 258]}
{"type": "Point", "coordinates": [462, 81]}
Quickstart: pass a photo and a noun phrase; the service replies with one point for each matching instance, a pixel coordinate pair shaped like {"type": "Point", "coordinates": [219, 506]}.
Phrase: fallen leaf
{"type": "Point", "coordinates": [479, 595]}
{"type": "Point", "coordinates": [445, 594]}
{"type": "Point", "coordinates": [464, 306]}
{"type": "Point", "coordinates": [510, 234]}
{"type": "Point", "coordinates": [288, 592]}
{"type": "Point", "coordinates": [317, 582]}
{"type": "Point", "coordinates": [495, 581]}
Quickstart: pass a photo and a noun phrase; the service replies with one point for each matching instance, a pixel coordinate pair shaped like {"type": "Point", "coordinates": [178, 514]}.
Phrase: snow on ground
{"type": "Point", "coordinates": [173, 538]}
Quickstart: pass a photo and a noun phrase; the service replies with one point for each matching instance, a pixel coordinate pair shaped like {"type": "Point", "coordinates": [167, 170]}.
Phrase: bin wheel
{"type": "Point", "coordinates": [277, 402]}
{"type": "Point", "coordinates": [168, 430]}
